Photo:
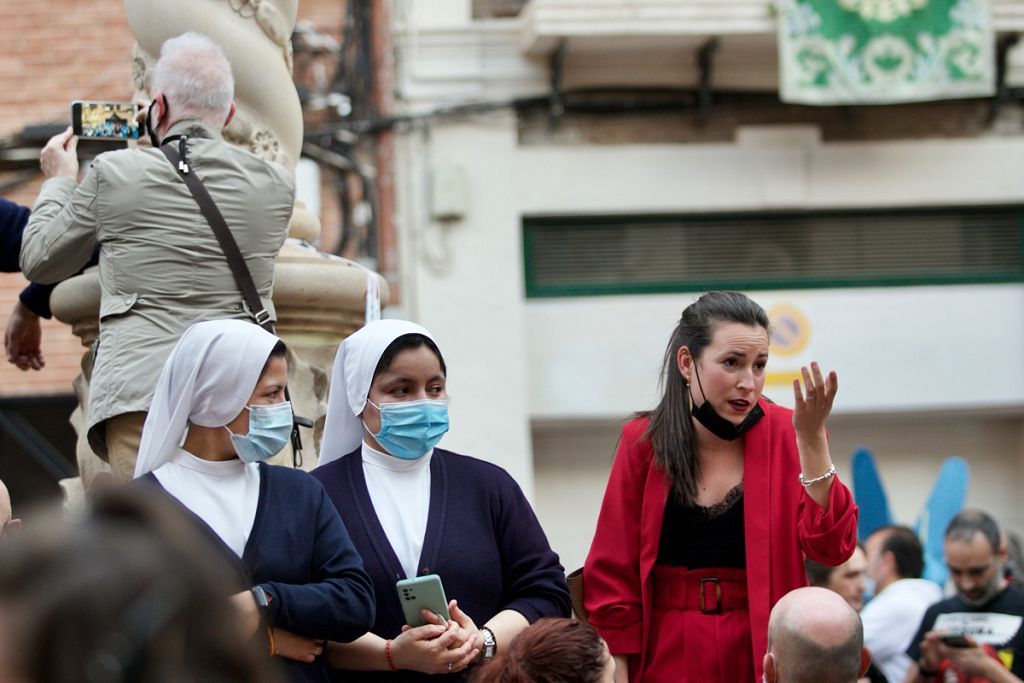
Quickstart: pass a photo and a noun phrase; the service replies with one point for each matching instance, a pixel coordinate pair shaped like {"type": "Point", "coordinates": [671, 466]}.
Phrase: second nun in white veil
{"type": "Point", "coordinates": [219, 410]}
{"type": "Point", "coordinates": [414, 509]}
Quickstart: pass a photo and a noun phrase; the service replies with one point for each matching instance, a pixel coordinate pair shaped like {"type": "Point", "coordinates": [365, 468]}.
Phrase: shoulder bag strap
{"type": "Point", "coordinates": [224, 237]}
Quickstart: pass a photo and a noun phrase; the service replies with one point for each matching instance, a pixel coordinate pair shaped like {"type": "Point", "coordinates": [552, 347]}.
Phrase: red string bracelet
{"type": "Point", "coordinates": [272, 643]}
{"type": "Point", "coordinates": [387, 655]}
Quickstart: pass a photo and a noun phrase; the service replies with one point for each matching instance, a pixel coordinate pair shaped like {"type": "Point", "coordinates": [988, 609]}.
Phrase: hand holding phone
{"type": "Point", "coordinates": [958, 640]}
{"type": "Point", "coordinates": [422, 592]}
{"type": "Point", "coordinates": [59, 156]}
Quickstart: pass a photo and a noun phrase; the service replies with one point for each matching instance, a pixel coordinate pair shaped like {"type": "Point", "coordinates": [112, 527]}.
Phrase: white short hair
{"type": "Point", "coordinates": [195, 75]}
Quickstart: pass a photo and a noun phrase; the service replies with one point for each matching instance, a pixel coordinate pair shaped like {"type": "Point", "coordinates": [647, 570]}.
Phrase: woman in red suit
{"type": "Point", "coordinates": [714, 499]}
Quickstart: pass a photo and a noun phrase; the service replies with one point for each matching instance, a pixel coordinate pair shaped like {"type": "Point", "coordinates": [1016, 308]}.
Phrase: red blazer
{"type": "Point", "coordinates": [782, 524]}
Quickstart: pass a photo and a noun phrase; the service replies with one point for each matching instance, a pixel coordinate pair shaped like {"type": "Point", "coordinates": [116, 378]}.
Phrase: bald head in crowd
{"type": "Point", "coordinates": [814, 636]}
{"type": "Point", "coordinates": [8, 522]}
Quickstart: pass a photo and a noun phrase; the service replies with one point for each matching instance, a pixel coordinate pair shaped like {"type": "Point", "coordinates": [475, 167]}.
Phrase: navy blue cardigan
{"type": "Point", "coordinates": [300, 553]}
{"type": "Point", "coordinates": [482, 538]}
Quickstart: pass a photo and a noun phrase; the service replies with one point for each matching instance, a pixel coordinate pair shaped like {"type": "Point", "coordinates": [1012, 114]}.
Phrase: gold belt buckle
{"type": "Point", "coordinates": [717, 608]}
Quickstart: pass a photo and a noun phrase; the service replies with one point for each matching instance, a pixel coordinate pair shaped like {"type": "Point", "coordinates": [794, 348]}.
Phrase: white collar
{"type": "Point", "coordinates": [386, 461]}
{"type": "Point", "coordinates": [216, 468]}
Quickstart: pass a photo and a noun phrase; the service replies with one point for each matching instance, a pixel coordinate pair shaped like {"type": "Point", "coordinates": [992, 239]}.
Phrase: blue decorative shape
{"type": "Point", "coordinates": [869, 494]}
{"type": "Point", "coordinates": [945, 501]}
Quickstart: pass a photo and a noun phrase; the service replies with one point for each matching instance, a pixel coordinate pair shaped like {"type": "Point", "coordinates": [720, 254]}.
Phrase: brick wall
{"type": "Point", "coordinates": [54, 52]}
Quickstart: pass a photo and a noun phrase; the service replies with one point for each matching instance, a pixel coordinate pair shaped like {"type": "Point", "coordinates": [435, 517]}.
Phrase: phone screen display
{"type": "Point", "coordinates": [105, 120]}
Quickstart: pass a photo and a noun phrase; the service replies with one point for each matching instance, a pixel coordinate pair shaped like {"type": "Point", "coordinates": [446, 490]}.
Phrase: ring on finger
{"type": "Point", "coordinates": [449, 667]}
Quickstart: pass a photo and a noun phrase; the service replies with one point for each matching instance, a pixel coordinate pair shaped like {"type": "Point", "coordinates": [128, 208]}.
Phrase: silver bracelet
{"type": "Point", "coordinates": [828, 475]}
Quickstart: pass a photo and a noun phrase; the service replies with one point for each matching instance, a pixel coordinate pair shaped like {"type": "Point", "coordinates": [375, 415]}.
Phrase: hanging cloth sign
{"type": "Point", "coordinates": [884, 51]}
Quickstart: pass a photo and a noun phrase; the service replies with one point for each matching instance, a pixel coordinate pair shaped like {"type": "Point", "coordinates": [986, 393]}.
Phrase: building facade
{"type": "Point", "coordinates": [570, 177]}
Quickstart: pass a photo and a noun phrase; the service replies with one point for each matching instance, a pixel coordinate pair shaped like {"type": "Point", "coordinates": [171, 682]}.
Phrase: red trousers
{"type": "Point", "coordinates": [700, 630]}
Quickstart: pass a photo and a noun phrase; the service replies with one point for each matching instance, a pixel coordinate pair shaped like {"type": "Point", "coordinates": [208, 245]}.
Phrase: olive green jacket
{"type": "Point", "coordinates": [161, 268]}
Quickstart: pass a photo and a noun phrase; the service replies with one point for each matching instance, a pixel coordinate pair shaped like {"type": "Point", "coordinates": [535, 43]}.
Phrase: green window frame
{"type": "Point", "coordinates": [665, 253]}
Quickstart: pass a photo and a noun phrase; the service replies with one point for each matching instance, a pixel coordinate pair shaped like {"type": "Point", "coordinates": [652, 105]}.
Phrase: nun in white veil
{"type": "Point", "coordinates": [218, 411]}
{"type": "Point", "coordinates": [413, 509]}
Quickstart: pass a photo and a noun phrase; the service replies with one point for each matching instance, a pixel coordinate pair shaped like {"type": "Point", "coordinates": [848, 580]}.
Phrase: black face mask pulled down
{"type": "Point", "coordinates": [718, 425]}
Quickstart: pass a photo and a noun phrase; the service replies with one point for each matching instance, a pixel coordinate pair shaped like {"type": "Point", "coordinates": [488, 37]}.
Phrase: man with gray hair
{"type": "Point", "coordinates": [814, 636]}
{"type": "Point", "coordinates": [161, 268]}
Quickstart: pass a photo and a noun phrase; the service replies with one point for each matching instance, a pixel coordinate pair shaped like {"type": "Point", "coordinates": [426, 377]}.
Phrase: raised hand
{"type": "Point", "coordinates": [59, 158]}
{"type": "Point", "coordinates": [812, 403]}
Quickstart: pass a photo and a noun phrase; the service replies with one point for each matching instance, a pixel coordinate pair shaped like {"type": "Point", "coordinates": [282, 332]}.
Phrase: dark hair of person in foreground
{"type": "Point", "coordinates": [552, 650]}
{"type": "Point", "coordinates": [131, 592]}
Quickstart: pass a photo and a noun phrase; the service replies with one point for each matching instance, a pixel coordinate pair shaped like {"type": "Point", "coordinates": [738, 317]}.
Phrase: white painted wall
{"type": "Point", "coordinates": [432, 14]}
{"type": "Point", "coordinates": [904, 349]}
{"type": "Point", "coordinates": [462, 281]}
{"type": "Point", "coordinates": [757, 174]}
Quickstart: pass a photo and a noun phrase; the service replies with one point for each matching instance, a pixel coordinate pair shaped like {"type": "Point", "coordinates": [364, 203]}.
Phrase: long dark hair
{"type": "Point", "coordinates": [671, 431]}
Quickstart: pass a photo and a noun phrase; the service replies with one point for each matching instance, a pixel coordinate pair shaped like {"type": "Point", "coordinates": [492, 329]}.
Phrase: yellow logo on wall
{"type": "Point", "coordinates": [790, 333]}
{"type": "Point", "coordinates": [790, 330]}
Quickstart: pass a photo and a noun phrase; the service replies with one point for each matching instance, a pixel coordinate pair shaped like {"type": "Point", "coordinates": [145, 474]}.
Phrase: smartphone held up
{"type": "Point", "coordinates": [117, 121]}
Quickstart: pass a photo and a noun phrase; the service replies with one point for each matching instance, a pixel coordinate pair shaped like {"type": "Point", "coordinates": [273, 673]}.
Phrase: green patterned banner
{"type": "Point", "coordinates": [884, 51]}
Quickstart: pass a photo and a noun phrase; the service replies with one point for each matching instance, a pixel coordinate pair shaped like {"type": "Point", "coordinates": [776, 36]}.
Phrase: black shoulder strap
{"type": "Point", "coordinates": [224, 237]}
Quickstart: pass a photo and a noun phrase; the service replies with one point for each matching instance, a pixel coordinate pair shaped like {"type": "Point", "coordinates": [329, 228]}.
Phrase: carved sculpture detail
{"type": "Point", "coordinates": [270, 19]}
{"type": "Point", "coordinates": [256, 35]}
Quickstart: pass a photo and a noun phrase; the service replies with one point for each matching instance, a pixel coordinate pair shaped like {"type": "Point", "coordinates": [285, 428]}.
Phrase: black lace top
{"type": "Point", "coordinates": [695, 537]}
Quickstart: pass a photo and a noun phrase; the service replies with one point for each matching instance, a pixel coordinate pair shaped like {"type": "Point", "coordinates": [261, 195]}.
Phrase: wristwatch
{"type": "Point", "coordinates": [490, 644]}
{"type": "Point", "coordinates": [262, 604]}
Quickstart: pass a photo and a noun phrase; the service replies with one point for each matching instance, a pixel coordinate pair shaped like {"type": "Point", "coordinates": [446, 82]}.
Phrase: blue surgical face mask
{"type": "Point", "coordinates": [408, 429]}
{"type": "Point", "coordinates": [270, 427]}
